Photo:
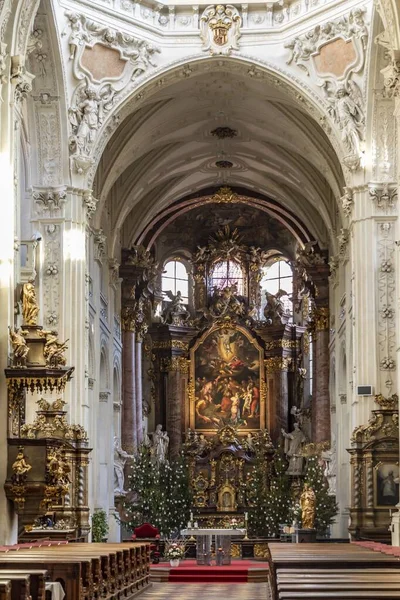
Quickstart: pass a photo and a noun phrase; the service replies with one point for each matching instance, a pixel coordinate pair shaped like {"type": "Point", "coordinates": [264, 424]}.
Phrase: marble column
{"type": "Point", "coordinates": [139, 389]}
{"type": "Point", "coordinates": [129, 417]}
{"type": "Point", "coordinates": [320, 413]}
{"type": "Point", "coordinates": [177, 368]}
{"type": "Point", "coordinates": [276, 376]}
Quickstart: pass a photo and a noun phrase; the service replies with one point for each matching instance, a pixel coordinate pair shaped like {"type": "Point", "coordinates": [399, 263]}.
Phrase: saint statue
{"type": "Point", "coordinates": [160, 445]}
{"type": "Point", "coordinates": [176, 311]}
{"type": "Point", "coordinates": [308, 507]}
{"type": "Point", "coordinates": [329, 458]}
{"type": "Point", "coordinates": [30, 308]}
{"type": "Point", "coordinates": [19, 345]}
{"type": "Point", "coordinates": [293, 449]}
{"type": "Point", "coordinates": [120, 458]}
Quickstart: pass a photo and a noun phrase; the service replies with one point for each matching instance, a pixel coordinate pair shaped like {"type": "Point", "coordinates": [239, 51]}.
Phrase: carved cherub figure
{"type": "Point", "coordinates": [20, 466]}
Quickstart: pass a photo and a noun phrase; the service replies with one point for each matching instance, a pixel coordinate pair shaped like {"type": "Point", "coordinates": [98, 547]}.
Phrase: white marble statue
{"type": "Point", "coordinates": [329, 458]}
{"type": "Point", "coordinates": [120, 458]}
{"type": "Point", "coordinates": [293, 449]}
{"type": "Point", "coordinates": [159, 449]}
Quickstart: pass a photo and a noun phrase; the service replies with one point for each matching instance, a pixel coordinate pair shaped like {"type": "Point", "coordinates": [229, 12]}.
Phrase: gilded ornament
{"type": "Point", "coordinates": [176, 363]}
{"type": "Point", "coordinates": [315, 448]}
{"type": "Point", "coordinates": [321, 318]}
{"type": "Point", "coordinates": [277, 363]}
{"type": "Point", "coordinates": [225, 196]}
{"type": "Point", "coordinates": [366, 431]}
{"type": "Point", "coordinates": [30, 307]}
{"type": "Point", "coordinates": [236, 551]}
{"type": "Point", "coordinates": [20, 466]}
{"type": "Point", "coordinates": [286, 344]}
{"type": "Point", "coordinates": [390, 403]}
{"type": "Point", "coordinates": [167, 344]}
{"type": "Point", "coordinates": [261, 551]}
{"type": "Point", "coordinates": [308, 507]}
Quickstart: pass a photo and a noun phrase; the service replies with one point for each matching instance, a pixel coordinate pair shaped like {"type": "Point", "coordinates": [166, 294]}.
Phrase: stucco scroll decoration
{"type": "Point", "coordinates": [332, 53]}
{"type": "Point", "coordinates": [106, 61]}
{"type": "Point", "coordinates": [220, 29]}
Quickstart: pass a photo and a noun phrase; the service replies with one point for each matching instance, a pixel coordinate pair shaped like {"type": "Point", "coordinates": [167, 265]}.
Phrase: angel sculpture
{"type": "Point", "coordinates": [176, 311]}
{"type": "Point", "coordinates": [85, 120]}
{"type": "Point", "coordinates": [274, 309]}
{"type": "Point", "coordinates": [346, 109]}
{"type": "Point", "coordinates": [78, 35]}
{"type": "Point", "coordinates": [53, 349]}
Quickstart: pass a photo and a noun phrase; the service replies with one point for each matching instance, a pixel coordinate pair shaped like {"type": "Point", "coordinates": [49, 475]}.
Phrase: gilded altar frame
{"type": "Point", "coordinates": [192, 397]}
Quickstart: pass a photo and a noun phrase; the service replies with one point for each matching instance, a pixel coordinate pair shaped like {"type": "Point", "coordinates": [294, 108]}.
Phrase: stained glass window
{"type": "Point", "coordinates": [226, 273]}
{"type": "Point", "coordinates": [175, 279]}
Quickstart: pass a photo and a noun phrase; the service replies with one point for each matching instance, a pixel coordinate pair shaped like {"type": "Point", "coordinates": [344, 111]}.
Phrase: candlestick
{"type": "Point", "coordinates": [246, 517]}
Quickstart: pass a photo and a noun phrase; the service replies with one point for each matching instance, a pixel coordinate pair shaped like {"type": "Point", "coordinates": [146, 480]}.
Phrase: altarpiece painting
{"type": "Point", "coordinates": [227, 381]}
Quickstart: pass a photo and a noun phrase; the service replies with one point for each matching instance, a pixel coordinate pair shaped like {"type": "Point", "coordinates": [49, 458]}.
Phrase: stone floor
{"type": "Point", "coordinates": [206, 591]}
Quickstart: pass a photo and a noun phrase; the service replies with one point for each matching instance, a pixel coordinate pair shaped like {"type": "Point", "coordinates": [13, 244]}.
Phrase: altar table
{"type": "Point", "coordinates": [204, 539]}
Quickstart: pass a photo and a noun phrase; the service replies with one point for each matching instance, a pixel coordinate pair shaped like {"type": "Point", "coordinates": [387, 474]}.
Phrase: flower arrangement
{"type": "Point", "coordinates": [174, 551]}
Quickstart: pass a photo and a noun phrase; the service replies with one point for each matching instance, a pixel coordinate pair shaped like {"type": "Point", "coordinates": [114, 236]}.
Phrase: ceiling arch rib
{"type": "Point", "coordinates": [150, 234]}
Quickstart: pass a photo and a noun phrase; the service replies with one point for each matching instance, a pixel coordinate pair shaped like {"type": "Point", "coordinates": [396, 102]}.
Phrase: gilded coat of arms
{"type": "Point", "coordinates": [220, 28]}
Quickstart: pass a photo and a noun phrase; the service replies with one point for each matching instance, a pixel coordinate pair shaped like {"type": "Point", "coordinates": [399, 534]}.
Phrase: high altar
{"type": "Point", "coordinates": [227, 367]}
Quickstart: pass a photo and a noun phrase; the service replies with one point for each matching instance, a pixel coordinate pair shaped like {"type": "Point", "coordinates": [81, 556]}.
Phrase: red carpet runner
{"type": "Point", "coordinates": [240, 571]}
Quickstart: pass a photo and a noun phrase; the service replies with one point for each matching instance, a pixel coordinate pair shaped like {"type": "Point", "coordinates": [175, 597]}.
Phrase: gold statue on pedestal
{"type": "Point", "coordinates": [308, 507]}
{"type": "Point", "coordinates": [20, 466]}
{"type": "Point", "coordinates": [30, 307]}
{"type": "Point", "coordinates": [19, 345]}
{"type": "Point", "coordinates": [53, 349]}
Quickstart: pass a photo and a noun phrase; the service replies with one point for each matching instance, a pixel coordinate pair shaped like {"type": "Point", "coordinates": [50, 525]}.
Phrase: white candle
{"type": "Point", "coordinates": [191, 516]}
{"type": "Point", "coordinates": [246, 516]}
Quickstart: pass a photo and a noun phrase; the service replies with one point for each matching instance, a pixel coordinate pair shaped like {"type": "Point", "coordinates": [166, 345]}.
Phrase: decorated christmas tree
{"type": "Point", "coordinates": [269, 496]}
{"type": "Point", "coordinates": [157, 493]}
{"type": "Point", "coordinates": [326, 506]}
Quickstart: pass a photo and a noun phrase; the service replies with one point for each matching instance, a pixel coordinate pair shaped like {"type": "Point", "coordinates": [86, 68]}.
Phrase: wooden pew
{"type": "Point", "coordinates": [20, 585]}
{"type": "Point", "coordinates": [5, 589]}
{"type": "Point", "coordinates": [332, 570]}
{"type": "Point", "coordinates": [37, 580]}
{"type": "Point", "coordinates": [87, 571]}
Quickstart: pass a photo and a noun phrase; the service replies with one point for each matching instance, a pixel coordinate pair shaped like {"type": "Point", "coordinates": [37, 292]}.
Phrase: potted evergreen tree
{"type": "Point", "coordinates": [99, 526]}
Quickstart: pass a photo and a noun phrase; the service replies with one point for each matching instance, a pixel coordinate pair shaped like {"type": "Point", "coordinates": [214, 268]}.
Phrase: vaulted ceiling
{"type": "Point", "coordinates": [166, 151]}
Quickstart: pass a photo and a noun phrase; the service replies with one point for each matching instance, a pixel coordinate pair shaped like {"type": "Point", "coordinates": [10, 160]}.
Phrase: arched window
{"type": "Point", "coordinates": [278, 276]}
{"type": "Point", "coordinates": [225, 273]}
{"type": "Point", "coordinates": [175, 279]}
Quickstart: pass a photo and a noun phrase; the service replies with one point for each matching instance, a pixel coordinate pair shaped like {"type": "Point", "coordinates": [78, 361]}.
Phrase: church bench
{"type": "Point", "coordinates": [333, 564]}
{"type": "Point", "coordinates": [37, 580]}
{"type": "Point", "coordinates": [342, 595]}
{"type": "Point", "coordinates": [73, 573]}
{"type": "Point", "coordinates": [101, 570]}
{"type": "Point", "coordinates": [5, 589]}
{"type": "Point", "coordinates": [20, 585]}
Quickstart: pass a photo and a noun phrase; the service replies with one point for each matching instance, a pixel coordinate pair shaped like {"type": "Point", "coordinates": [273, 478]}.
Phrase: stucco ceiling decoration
{"type": "Point", "coordinates": [332, 54]}
{"type": "Point", "coordinates": [164, 149]}
{"type": "Point", "coordinates": [223, 196]}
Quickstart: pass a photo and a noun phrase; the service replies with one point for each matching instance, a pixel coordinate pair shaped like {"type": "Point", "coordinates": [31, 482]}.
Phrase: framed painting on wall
{"type": "Point", "coordinates": [386, 484]}
{"type": "Point", "coordinates": [227, 381]}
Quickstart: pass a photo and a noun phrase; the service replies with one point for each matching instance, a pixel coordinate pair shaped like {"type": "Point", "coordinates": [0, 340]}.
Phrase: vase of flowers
{"type": "Point", "coordinates": [174, 553]}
